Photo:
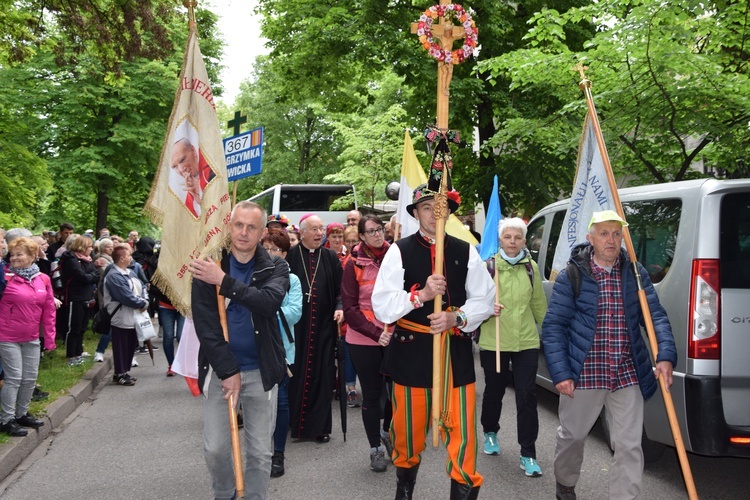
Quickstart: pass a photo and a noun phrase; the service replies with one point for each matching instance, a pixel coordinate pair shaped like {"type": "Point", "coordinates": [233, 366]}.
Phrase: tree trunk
{"type": "Point", "coordinates": [486, 126]}
{"type": "Point", "coordinates": [102, 206]}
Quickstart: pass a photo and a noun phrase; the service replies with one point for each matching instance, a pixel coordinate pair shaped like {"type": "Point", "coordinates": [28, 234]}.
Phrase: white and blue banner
{"type": "Point", "coordinates": [591, 193]}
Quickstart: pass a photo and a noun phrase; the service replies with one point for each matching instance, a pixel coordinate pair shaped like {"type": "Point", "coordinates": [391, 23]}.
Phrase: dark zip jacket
{"type": "Point", "coordinates": [79, 277]}
{"type": "Point", "coordinates": [263, 297]}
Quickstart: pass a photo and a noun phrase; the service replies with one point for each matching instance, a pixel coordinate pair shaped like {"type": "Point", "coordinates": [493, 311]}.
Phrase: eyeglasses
{"type": "Point", "coordinates": [320, 229]}
{"type": "Point", "coordinates": [373, 232]}
{"type": "Point", "coordinates": [272, 249]}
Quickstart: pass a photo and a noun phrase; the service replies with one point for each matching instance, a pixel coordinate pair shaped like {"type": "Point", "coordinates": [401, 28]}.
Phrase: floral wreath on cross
{"type": "Point", "coordinates": [453, 12]}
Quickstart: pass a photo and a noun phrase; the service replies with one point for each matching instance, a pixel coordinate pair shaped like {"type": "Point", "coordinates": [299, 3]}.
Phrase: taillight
{"type": "Point", "coordinates": [704, 328]}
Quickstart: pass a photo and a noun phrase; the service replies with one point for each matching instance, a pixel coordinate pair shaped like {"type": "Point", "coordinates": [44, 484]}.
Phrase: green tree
{"type": "Point", "coordinates": [345, 44]}
{"type": "Point", "coordinates": [110, 31]}
{"type": "Point", "coordinates": [99, 129]}
{"type": "Point", "coordinates": [670, 84]}
{"type": "Point", "coordinates": [373, 140]}
{"type": "Point", "coordinates": [24, 181]}
{"type": "Point", "coordinates": [299, 144]}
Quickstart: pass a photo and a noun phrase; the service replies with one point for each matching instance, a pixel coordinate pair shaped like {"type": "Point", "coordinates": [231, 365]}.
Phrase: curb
{"type": "Point", "coordinates": [18, 448]}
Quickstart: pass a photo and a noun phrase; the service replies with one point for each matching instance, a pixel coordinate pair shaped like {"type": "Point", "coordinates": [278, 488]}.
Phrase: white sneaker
{"type": "Point", "coordinates": [85, 355]}
{"type": "Point", "coordinates": [134, 363]}
{"type": "Point", "coordinates": [99, 357]}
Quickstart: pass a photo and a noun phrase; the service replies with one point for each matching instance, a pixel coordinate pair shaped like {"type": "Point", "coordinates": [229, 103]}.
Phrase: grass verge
{"type": "Point", "coordinates": [56, 377]}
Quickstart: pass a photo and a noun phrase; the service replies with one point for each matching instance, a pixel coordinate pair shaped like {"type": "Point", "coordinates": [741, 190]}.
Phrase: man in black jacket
{"type": "Point", "coordinates": [249, 366]}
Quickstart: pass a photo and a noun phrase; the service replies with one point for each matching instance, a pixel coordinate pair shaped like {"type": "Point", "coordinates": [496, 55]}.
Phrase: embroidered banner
{"type": "Point", "coordinates": [189, 197]}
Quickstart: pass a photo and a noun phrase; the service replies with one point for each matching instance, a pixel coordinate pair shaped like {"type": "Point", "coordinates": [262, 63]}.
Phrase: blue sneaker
{"type": "Point", "coordinates": [491, 446]}
{"type": "Point", "coordinates": [530, 467]}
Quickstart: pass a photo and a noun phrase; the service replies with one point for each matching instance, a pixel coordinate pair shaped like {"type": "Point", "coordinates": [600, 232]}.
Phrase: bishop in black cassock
{"type": "Point", "coordinates": [314, 374]}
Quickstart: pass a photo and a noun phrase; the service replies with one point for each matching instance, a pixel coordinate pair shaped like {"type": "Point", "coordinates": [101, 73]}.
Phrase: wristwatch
{"type": "Point", "coordinates": [460, 319]}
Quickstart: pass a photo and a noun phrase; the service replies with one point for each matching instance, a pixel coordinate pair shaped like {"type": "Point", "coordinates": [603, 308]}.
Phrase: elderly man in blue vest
{"type": "Point", "coordinates": [597, 357]}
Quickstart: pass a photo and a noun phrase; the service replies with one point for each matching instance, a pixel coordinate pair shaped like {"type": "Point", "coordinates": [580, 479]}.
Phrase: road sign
{"type": "Point", "coordinates": [244, 154]}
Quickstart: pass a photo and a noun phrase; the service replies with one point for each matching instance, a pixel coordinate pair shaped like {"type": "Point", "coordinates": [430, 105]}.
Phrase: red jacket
{"type": "Point", "coordinates": [26, 309]}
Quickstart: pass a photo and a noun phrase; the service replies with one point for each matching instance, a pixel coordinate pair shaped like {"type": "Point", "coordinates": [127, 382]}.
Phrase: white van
{"type": "Point", "coordinates": [693, 237]}
{"type": "Point", "coordinates": [296, 200]}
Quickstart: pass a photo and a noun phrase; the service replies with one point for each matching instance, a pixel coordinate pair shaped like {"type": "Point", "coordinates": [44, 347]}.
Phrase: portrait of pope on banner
{"type": "Point", "coordinates": [190, 173]}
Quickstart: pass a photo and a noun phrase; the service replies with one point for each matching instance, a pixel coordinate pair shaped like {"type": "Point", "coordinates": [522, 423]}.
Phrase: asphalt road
{"type": "Point", "coordinates": [144, 442]}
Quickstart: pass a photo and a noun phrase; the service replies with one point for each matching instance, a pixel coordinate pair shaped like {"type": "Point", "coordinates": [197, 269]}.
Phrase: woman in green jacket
{"type": "Point", "coordinates": [523, 306]}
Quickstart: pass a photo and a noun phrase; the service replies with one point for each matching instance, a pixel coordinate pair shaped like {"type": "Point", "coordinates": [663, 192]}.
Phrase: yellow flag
{"type": "Point", "coordinates": [412, 175]}
{"type": "Point", "coordinates": [189, 197]}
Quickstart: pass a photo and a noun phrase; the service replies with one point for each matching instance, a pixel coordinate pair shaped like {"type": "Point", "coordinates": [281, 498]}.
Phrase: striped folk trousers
{"type": "Point", "coordinates": [411, 424]}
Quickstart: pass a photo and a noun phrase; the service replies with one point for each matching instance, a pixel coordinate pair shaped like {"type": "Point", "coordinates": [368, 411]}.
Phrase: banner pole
{"type": "Point", "coordinates": [585, 85]}
{"type": "Point", "coordinates": [239, 478]}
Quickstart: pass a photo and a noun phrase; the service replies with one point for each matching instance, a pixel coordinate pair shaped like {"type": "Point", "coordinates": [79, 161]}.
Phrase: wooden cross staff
{"type": "Point", "coordinates": [446, 33]}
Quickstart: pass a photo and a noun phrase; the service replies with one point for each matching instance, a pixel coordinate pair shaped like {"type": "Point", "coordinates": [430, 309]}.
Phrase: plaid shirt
{"type": "Point", "coordinates": [609, 364]}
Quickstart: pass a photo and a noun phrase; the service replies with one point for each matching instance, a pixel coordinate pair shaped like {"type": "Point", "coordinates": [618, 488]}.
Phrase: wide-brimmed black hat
{"type": "Point", "coordinates": [424, 193]}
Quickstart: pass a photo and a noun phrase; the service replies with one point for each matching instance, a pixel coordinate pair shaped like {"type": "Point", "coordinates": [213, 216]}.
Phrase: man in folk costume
{"type": "Point", "coordinates": [313, 373]}
{"type": "Point", "coordinates": [404, 293]}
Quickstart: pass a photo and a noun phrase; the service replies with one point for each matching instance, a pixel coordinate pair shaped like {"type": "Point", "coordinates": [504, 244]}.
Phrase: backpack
{"type": "Point", "coordinates": [530, 273]}
{"type": "Point", "coordinates": [574, 274]}
{"type": "Point", "coordinates": [103, 320]}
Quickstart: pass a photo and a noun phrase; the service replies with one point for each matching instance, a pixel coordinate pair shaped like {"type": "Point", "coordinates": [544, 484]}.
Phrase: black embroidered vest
{"type": "Point", "coordinates": [408, 358]}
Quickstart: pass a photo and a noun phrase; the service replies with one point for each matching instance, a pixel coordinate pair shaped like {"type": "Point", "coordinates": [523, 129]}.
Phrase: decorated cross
{"type": "Point", "coordinates": [437, 32]}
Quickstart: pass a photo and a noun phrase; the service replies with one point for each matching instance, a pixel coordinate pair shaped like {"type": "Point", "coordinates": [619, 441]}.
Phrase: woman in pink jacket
{"type": "Point", "coordinates": [27, 308]}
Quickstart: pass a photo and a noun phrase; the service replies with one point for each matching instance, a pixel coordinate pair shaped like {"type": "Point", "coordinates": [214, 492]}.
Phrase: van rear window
{"type": "Point", "coordinates": [265, 201]}
{"type": "Point", "coordinates": [735, 240]}
{"type": "Point", "coordinates": [311, 200]}
{"type": "Point", "coordinates": [653, 228]}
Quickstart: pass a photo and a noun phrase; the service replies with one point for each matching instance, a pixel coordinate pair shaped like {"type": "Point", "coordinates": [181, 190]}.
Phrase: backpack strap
{"type": "Point", "coordinates": [530, 273]}
{"type": "Point", "coordinates": [574, 274]}
{"type": "Point", "coordinates": [286, 327]}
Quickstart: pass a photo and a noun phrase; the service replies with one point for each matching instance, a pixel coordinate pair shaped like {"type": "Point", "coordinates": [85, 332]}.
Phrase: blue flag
{"type": "Point", "coordinates": [490, 235]}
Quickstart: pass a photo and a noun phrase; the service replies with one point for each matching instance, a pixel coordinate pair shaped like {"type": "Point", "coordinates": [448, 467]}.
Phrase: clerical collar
{"type": "Point", "coordinates": [308, 249]}
{"type": "Point", "coordinates": [429, 240]}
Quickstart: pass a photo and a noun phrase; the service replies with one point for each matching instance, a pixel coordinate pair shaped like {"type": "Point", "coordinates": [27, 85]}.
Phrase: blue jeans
{"type": "Point", "coordinates": [104, 342]}
{"type": "Point", "coordinates": [168, 318]}
{"type": "Point", "coordinates": [259, 417]}
{"type": "Point", "coordinates": [282, 416]}
{"type": "Point", "coordinates": [21, 364]}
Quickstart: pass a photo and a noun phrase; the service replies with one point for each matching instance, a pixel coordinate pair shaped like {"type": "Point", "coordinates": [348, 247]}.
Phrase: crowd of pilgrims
{"type": "Point", "coordinates": [51, 286]}
{"type": "Point", "coordinates": [72, 268]}
{"type": "Point", "coordinates": [304, 400]}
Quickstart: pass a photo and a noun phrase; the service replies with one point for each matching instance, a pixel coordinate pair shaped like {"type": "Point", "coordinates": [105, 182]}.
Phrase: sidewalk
{"type": "Point", "coordinates": [18, 448]}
